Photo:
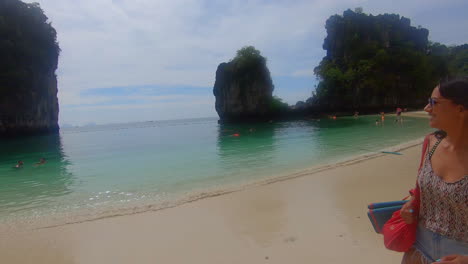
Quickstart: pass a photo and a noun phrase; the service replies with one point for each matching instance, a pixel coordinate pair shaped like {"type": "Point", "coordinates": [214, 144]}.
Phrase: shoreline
{"type": "Point", "coordinates": [83, 216]}
{"type": "Point", "coordinates": [319, 215]}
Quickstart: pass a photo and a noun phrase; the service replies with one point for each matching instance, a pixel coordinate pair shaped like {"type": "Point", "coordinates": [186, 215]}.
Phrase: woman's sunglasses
{"type": "Point", "coordinates": [432, 101]}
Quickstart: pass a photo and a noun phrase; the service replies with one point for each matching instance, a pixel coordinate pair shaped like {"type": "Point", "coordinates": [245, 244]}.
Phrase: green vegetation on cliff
{"type": "Point", "coordinates": [243, 89]}
{"type": "Point", "coordinates": [452, 61]}
{"type": "Point", "coordinates": [28, 44]}
{"type": "Point", "coordinates": [248, 67]}
{"type": "Point", "coordinates": [29, 56]}
{"type": "Point", "coordinates": [377, 62]}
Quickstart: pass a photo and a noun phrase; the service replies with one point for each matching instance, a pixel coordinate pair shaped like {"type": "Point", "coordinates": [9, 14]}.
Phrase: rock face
{"type": "Point", "coordinates": [243, 90]}
{"type": "Point", "coordinates": [374, 63]}
{"type": "Point", "coordinates": [29, 57]}
{"type": "Point", "coordinates": [31, 112]}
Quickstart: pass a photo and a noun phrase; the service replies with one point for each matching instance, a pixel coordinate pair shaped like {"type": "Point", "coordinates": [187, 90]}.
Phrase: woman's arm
{"type": "Point", "coordinates": [408, 213]}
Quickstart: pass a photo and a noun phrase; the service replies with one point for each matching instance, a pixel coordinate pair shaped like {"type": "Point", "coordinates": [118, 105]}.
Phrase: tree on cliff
{"type": "Point", "coordinates": [249, 66]}
{"type": "Point", "coordinates": [243, 88]}
{"type": "Point", "coordinates": [452, 61]}
{"type": "Point", "coordinates": [29, 56]}
{"type": "Point", "coordinates": [374, 62]}
{"type": "Point", "coordinates": [248, 55]}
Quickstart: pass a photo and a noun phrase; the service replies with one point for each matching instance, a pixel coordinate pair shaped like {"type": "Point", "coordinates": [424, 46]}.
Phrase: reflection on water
{"type": "Point", "coordinates": [32, 186]}
{"type": "Point", "coordinates": [246, 145]}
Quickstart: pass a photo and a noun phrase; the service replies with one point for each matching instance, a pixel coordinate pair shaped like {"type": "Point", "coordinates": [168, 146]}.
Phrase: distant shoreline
{"type": "Point", "coordinates": [302, 114]}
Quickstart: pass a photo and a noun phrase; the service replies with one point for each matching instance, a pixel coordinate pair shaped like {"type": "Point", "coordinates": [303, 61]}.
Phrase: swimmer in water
{"type": "Point", "coordinates": [42, 161]}
{"type": "Point", "coordinates": [19, 165]}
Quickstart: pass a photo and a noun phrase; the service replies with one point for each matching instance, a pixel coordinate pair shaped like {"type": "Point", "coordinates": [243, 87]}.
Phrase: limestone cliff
{"type": "Point", "coordinates": [31, 111]}
{"type": "Point", "coordinates": [373, 63]}
{"type": "Point", "coordinates": [243, 88]}
{"type": "Point", "coordinates": [29, 56]}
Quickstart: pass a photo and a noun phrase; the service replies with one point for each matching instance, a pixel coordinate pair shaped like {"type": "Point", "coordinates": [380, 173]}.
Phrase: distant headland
{"type": "Point", "coordinates": [373, 64]}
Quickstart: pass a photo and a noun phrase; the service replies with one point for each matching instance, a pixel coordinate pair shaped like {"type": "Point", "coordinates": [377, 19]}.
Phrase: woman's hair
{"type": "Point", "coordinates": [440, 134]}
{"type": "Point", "coordinates": [456, 90]}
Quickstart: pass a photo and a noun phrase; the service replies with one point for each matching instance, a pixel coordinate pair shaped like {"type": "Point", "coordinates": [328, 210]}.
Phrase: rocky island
{"type": "Point", "coordinates": [29, 56]}
{"type": "Point", "coordinates": [372, 64]}
{"type": "Point", "coordinates": [244, 89]}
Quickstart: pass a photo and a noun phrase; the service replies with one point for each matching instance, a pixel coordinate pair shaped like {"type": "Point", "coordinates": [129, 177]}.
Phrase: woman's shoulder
{"type": "Point", "coordinates": [429, 141]}
{"type": "Point", "coordinates": [433, 137]}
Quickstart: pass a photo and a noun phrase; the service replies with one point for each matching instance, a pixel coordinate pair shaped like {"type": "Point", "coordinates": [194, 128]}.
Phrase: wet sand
{"type": "Point", "coordinates": [422, 114]}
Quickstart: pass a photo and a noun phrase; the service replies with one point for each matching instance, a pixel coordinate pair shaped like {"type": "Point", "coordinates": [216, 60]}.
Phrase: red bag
{"type": "Point", "coordinates": [398, 235]}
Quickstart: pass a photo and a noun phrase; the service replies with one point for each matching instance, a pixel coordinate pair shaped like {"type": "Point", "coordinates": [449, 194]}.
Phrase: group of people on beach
{"type": "Point", "coordinates": [399, 118]}
{"type": "Point", "coordinates": [441, 206]}
{"type": "Point", "coordinates": [20, 163]}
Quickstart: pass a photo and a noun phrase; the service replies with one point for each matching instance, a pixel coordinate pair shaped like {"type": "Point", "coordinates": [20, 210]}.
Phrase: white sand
{"type": "Point", "coordinates": [318, 218]}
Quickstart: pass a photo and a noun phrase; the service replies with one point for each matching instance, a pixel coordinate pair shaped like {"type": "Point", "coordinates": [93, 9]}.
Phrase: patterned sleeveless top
{"type": "Point", "coordinates": [444, 206]}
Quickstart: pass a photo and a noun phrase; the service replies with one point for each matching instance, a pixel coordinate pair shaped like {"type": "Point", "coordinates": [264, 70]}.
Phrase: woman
{"type": "Point", "coordinates": [442, 234]}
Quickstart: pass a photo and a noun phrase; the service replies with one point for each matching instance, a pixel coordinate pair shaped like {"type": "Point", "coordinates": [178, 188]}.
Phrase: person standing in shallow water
{"type": "Point", "coordinates": [398, 115]}
{"type": "Point", "coordinates": [442, 232]}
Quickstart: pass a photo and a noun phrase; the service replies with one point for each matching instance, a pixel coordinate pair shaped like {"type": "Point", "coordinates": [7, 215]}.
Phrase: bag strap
{"type": "Point", "coordinates": [434, 147]}
{"type": "Point", "coordinates": [424, 150]}
{"type": "Point", "coordinates": [416, 192]}
{"type": "Point", "coordinates": [406, 198]}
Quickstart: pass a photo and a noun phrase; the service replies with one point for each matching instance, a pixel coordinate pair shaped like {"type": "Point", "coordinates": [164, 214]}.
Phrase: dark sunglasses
{"type": "Point", "coordinates": [432, 101]}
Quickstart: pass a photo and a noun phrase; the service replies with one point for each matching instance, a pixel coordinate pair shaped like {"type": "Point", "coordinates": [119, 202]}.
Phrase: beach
{"type": "Point", "coordinates": [201, 132]}
{"type": "Point", "coordinates": [316, 217]}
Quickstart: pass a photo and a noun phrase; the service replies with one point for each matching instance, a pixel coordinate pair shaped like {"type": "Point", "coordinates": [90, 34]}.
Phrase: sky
{"type": "Point", "coordinates": [142, 60]}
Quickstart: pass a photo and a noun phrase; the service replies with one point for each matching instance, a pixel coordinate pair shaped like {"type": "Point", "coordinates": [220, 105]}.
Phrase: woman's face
{"type": "Point", "coordinates": [442, 111]}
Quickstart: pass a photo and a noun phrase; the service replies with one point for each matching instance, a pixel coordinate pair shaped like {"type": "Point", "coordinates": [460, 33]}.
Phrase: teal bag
{"type": "Point", "coordinates": [380, 213]}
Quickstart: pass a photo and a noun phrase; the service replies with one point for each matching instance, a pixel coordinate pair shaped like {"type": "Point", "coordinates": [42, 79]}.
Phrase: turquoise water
{"type": "Point", "coordinates": [118, 166]}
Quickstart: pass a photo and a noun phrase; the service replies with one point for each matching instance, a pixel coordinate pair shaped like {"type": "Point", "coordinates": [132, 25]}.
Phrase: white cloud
{"type": "Point", "coordinates": [108, 43]}
{"type": "Point", "coordinates": [154, 109]}
{"type": "Point", "coordinates": [304, 72]}
{"type": "Point", "coordinates": [67, 97]}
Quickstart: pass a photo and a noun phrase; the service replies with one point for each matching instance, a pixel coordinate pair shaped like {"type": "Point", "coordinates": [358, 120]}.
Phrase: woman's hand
{"type": "Point", "coordinates": [407, 212]}
{"type": "Point", "coordinates": [453, 259]}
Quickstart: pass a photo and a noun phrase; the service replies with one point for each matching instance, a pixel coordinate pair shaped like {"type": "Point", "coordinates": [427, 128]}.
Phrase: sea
{"type": "Point", "coordinates": [105, 170]}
